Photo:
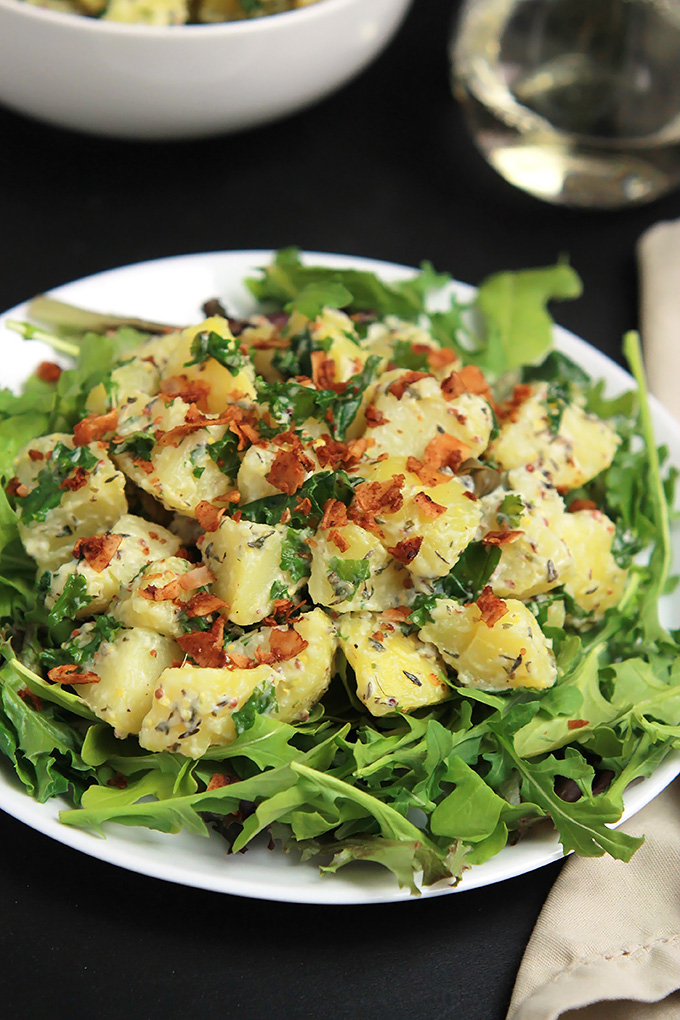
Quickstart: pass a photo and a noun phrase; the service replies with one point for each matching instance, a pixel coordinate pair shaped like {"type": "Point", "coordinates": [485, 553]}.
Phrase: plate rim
{"type": "Point", "coordinates": [342, 888]}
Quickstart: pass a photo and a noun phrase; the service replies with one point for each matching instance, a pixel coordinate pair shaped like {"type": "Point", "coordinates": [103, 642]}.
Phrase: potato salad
{"type": "Point", "coordinates": [313, 567]}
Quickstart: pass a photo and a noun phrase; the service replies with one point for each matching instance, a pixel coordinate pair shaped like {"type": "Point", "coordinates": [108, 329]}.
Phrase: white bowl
{"type": "Point", "coordinates": [184, 81]}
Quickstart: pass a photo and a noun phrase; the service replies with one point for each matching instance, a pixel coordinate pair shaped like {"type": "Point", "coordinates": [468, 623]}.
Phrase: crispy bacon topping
{"type": "Point", "coordinates": [217, 781]}
{"type": "Point", "coordinates": [203, 603]}
{"type": "Point", "coordinates": [338, 540]}
{"type": "Point", "coordinates": [206, 647]}
{"type": "Point", "coordinates": [241, 421]}
{"type": "Point", "coordinates": [509, 410]}
{"type": "Point", "coordinates": [323, 373]}
{"type": "Point", "coordinates": [208, 515]}
{"type": "Point", "coordinates": [48, 371]}
{"type": "Point", "coordinates": [375, 417]}
{"type": "Point", "coordinates": [406, 550]}
{"type": "Point", "coordinates": [75, 481]}
{"type": "Point", "coordinates": [469, 379]}
{"type": "Point", "coordinates": [98, 550]}
{"type": "Point", "coordinates": [283, 645]}
{"type": "Point", "coordinates": [168, 593]}
{"type": "Point", "coordinates": [446, 451]}
{"type": "Point", "coordinates": [233, 496]}
{"type": "Point", "coordinates": [93, 427]}
{"type": "Point", "coordinates": [577, 724]}
{"type": "Point", "coordinates": [397, 615]}
{"type": "Point", "coordinates": [36, 455]}
{"type": "Point", "coordinates": [400, 385]}
{"type": "Point", "coordinates": [428, 505]}
{"type": "Point", "coordinates": [16, 488]}
{"type": "Point", "coordinates": [334, 514]}
{"type": "Point", "coordinates": [373, 498]}
{"type": "Point", "coordinates": [336, 454]}
{"type": "Point", "coordinates": [29, 698]}
{"type": "Point", "coordinates": [69, 674]}
{"type": "Point", "coordinates": [303, 506]}
{"type": "Point", "coordinates": [191, 391]}
{"type": "Point", "coordinates": [491, 607]}
{"type": "Point", "coordinates": [196, 578]}
{"type": "Point", "coordinates": [501, 537]}
{"type": "Point", "coordinates": [427, 475]}
{"type": "Point", "coordinates": [581, 504]}
{"type": "Point", "coordinates": [287, 472]}
{"type": "Point", "coordinates": [145, 465]}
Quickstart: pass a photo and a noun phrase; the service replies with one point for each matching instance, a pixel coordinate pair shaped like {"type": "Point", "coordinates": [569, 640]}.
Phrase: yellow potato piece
{"type": "Point", "coordinates": [583, 446]}
{"type": "Point", "coordinates": [129, 667]}
{"type": "Point", "coordinates": [442, 538]}
{"type": "Point", "coordinates": [394, 673]}
{"type": "Point", "coordinates": [245, 558]}
{"type": "Point", "coordinates": [225, 386]}
{"type": "Point", "coordinates": [141, 542]}
{"type": "Point", "coordinates": [596, 582]}
{"type": "Point", "coordinates": [88, 510]}
{"type": "Point", "coordinates": [422, 413]}
{"type": "Point", "coordinates": [382, 589]}
{"type": "Point", "coordinates": [512, 653]}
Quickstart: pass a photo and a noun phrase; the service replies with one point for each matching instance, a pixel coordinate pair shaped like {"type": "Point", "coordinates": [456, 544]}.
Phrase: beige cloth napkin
{"type": "Point", "coordinates": [607, 943]}
{"type": "Point", "coordinates": [659, 262]}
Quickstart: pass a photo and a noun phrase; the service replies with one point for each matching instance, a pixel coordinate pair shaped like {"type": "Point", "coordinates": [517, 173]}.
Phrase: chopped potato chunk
{"type": "Point", "coordinates": [580, 448]}
{"type": "Point", "coordinates": [394, 673]}
{"type": "Point", "coordinates": [512, 652]}
{"type": "Point", "coordinates": [86, 499]}
{"type": "Point", "coordinates": [128, 667]}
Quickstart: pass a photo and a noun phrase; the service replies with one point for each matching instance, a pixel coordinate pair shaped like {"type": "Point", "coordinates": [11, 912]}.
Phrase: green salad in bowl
{"type": "Point", "coordinates": [370, 566]}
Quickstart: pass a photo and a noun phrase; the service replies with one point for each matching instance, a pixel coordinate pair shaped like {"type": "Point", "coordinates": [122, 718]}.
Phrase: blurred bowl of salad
{"type": "Point", "coordinates": [173, 69]}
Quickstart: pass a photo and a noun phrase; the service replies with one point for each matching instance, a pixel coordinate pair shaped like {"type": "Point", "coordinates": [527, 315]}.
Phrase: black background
{"type": "Point", "coordinates": [384, 169]}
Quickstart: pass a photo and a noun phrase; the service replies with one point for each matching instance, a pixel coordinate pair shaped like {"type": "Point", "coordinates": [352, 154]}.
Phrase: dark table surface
{"type": "Point", "coordinates": [383, 169]}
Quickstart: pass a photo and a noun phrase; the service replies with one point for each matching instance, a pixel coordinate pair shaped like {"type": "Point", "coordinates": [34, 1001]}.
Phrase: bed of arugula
{"type": "Point", "coordinates": [425, 795]}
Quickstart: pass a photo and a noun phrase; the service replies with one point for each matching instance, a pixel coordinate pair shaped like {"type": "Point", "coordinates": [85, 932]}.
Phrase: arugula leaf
{"type": "Point", "coordinates": [314, 297]}
{"type": "Point", "coordinates": [47, 491]}
{"type": "Point", "coordinates": [226, 350]}
{"type": "Point", "coordinates": [345, 576]}
{"type": "Point", "coordinates": [295, 555]}
{"type": "Point", "coordinates": [513, 305]}
{"type": "Point", "coordinates": [320, 487]}
{"type": "Point", "coordinates": [73, 598]}
{"type": "Point", "coordinates": [465, 581]}
{"type": "Point", "coordinates": [286, 276]}
{"type": "Point", "coordinates": [261, 702]}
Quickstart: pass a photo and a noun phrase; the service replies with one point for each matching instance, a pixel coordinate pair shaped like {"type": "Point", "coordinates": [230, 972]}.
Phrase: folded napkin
{"type": "Point", "coordinates": [659, 262]}
{"type": "Point", "coordinates": [607, 943]}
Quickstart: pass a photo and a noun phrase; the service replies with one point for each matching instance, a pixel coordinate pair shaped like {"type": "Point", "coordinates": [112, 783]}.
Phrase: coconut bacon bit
{"type": "Point", "coordinates": [428, 506]}
{"type": "Point", "coordinates": [69, 674]}
{"type": "Point", "coordinates": [446, 451]}
{"type": "Point", "coordinates": [208, 516]}
{"type": "Point", "coordinates": [94, 427]}
{"type": "Point", "coordinates": [406, 550]}
{"type": "Point", "coordinates": [98, 550]}
{"type": "Point", "coordinates": [373, 498]}
{"type": "Point", "coordinates": [400, 385]}
{"type": "Point", "coordinates": [491, 607]}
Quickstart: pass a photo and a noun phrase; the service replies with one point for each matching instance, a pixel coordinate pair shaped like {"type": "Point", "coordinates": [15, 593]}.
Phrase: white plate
{"type": "Point", "coordinates": [173, 290]}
